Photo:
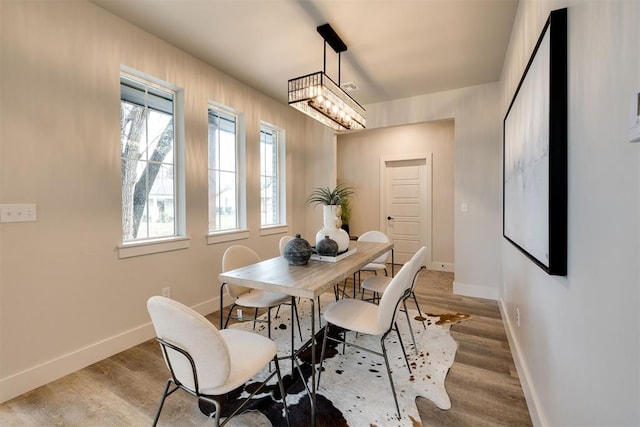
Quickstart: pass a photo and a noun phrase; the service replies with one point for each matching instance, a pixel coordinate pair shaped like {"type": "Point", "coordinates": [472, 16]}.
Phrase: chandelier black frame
{"type": "Point", "coordinates": [317, 96]}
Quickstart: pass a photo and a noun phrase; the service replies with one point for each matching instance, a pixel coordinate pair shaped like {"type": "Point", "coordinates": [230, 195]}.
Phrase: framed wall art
{"type": "Point", "coordinates": [535, 153]}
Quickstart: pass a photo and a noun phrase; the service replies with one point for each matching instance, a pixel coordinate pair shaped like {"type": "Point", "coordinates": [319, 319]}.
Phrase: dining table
{"type": "Point", "coordinates": [308, 281]}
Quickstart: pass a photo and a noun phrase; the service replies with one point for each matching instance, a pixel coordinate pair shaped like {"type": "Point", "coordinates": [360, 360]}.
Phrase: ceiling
{"type": "Point", "coordinates": [396, 48]}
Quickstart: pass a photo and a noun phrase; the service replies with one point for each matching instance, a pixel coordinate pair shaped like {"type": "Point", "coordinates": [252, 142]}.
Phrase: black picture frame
{"type": "Point", "coordinates": [535, 153]}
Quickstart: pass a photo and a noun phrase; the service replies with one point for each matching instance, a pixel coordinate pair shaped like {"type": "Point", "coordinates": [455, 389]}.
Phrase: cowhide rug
{"type": "Point", "coordinates": [354, 387]}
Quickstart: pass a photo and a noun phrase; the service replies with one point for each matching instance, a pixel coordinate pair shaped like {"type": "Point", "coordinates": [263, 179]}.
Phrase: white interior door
{"type": "Point", "coordinates": [406, 205]}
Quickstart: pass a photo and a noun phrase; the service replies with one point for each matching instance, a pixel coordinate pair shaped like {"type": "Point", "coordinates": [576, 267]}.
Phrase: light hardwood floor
{"type": "Point", "coordinates": [124, 389]}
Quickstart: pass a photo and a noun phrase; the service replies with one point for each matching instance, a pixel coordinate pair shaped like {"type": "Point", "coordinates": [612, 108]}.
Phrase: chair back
{"type": "Point", "coordinates": [238, 256]}
{"type": "Point", "coordinates": [377, 237]}
{"type": "Point", "coordinates": [186, 329]}
{"type": "Point", "coordinates": [395, 292]}
{"type": "Point", "coordinates": [283, 242]}
{"type": "Point", "coordinates": [418, 259]}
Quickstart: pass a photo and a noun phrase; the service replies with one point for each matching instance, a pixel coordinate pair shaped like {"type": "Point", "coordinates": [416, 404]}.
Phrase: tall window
{"type": "Point", "coordinates": [272, 203]}
{"type": "Point", "coordinates": [224, 185]}
{"type": "Point", "coordinates": [147, 134]}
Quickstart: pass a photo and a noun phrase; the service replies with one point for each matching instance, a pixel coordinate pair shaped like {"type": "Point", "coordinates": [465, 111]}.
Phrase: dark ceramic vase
{"type": "Point", "coordinates": [327, 247]}
{"type": "Point", "coordinates": [297, 251]}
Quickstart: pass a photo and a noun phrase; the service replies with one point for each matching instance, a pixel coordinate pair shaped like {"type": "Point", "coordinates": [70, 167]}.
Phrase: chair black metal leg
{"type": "Point", "coordinates": [216, 420]}
{"type": "Point", "coordinates": [295, 311]}
{"type": "Point", "coordinates": [418, 307]}
{"type": "Point", "coordinates": [255, 317]}
{"type": "Point", "coordinates": [406, 312]}
{"type": "Point", "coordinates": [228, 315]}
{"type": "Point", "coordinates": [283, 394]}
{"type": "Point", "coordinates": [406, 359]}
{"type": "Point", "coordinates": [386, 361]}
{"type": "Point", "coordinates": [324, 346]}
{"type": "Point", "coordinates": [164, 396]}
{"type": "Point", "coordinates": [268, 322]}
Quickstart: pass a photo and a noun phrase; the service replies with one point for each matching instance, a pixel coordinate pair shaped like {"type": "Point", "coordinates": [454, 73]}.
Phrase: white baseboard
{"type": "Point", "coordinates": [477, 291]}
{"type": "Point", "coordinates": [535, 410]}
{"type": "Point", "coordinates": [441, 266]}
{"type": "Point", "coordinates": [36, 376]}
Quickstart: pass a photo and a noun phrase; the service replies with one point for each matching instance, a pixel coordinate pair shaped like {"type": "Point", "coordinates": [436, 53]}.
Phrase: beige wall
{"type": "Point", "coordinates": [66, 299]}
{"type": "Point", "coordinates": [477, 175]}
{"type": "Point", "coordinates": [358, 165]}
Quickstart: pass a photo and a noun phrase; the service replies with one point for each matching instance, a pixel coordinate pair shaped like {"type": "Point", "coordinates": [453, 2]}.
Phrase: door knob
{"type": "Point", "coordinates": [389, 218]}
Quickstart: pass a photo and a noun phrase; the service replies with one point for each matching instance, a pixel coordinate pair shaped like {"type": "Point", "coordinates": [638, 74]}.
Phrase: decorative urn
{"type": "Point", "coordinates": [297, 251]}
{"type": "Point", "coordinates": [327, 247]}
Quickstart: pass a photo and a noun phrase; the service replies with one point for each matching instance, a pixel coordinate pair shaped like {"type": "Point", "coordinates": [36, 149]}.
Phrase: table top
{"type": "Point", "coordinates": [306, 281]}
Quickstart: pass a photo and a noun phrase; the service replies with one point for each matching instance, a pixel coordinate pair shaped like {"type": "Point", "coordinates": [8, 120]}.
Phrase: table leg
{"type": "Point", "coordinates": [293, 351]}
{"type": "Point", "coordinates": [313, 364]}
{"type": "Point", "coordinates": [392, 264]}
{"type": "Point", "coordinates": [221, 304]}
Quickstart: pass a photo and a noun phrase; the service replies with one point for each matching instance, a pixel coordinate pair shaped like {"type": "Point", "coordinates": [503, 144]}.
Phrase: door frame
{"type": "Point", "coordinates": [427, 225]}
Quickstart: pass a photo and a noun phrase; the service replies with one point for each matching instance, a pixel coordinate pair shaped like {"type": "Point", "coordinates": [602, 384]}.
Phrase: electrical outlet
{"type": "Point", "coordinates": [518, 316]}
{"type": "Point", "coordinates": [166, 292]}
{"type": "Point", "coordinates": [17, 213]}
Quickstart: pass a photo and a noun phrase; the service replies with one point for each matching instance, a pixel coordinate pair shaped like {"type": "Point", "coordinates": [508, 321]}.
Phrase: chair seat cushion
{"type": "Point", "coordinates": [249, 353]}
{"type": "Point", "coordinates": [355, 315]}
{"type": "Point", "coordinates": [261, 299]}
{"type": "Point", "coordinates": [373, 266]}
{"type": "Point", "coordinates": [376, 283]}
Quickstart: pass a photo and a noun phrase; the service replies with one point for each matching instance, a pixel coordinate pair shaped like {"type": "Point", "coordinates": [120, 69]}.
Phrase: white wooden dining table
{"type": "Point", "coordinates": [305, 281]}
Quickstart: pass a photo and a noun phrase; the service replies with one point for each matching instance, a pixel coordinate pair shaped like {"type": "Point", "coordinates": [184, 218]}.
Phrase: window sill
{"type": "Point", "coordinates": [274, 229]}
{"type": "Point", "coordinates": [148, 247]}
{"type": "Point", "coordinates": [229, 236]}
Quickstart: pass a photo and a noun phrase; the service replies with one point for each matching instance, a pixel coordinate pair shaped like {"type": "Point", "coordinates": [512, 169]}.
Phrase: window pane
{"type": "Point", "coordinates": [270, 184]}
{"type": "Point", "coordinates": [147, 144]}
{"type": "Point", "coordinates": [223, 179]}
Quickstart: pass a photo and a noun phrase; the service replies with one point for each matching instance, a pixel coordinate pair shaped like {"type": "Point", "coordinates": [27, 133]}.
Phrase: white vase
{"type": "Point", "coordinates": [331, 219]}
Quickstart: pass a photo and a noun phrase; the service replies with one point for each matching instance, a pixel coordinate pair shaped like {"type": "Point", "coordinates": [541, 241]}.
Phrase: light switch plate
{"type": "Point", "coordinates": [17, 212]}
{"type": "Point", "coordinates": [634, 123]}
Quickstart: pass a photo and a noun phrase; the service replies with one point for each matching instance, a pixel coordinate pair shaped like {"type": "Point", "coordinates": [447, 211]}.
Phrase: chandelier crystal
{"type": "Point", "coordinates": [319, 97]}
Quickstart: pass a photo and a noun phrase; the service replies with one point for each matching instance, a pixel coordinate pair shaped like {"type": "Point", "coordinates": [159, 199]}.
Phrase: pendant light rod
{"type": "Point", "coordinates": [331, 37]}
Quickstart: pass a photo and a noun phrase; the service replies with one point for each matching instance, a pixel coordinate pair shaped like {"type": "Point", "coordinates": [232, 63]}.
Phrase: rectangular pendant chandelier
{"type": "Point", "coordinates": [319, 97]}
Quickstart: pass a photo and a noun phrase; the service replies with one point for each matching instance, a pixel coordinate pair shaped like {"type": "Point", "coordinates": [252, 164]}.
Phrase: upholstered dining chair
{"type": "Point", "coordinates": [364, 317]}
{"type": "Point", "coordinates": [379, 264]}
{"type": "Point", "coordinates": [378, 284]}
{"type": "Point", "coordinates": [206, 362]}
{"type": "Point", "coordinates": [238, 256]}
{"type": "Point", "coordinates": [283, 243]}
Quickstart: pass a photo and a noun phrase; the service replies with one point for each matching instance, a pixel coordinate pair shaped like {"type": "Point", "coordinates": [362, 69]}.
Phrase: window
{"type": "Point", "coordinates": [272, 183]}
{"type": "Point", "coordinates": [148, 159]}
{"type": "Point", "coordinates": [226, 211]}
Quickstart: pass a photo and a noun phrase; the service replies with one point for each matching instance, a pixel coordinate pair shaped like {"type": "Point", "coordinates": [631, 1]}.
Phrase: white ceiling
{"type": "Point", "coordinates": [396, 48]}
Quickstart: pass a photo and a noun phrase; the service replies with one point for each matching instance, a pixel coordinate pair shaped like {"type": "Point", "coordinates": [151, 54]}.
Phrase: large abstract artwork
{"type": "Point", "coordinates": [535, 153]}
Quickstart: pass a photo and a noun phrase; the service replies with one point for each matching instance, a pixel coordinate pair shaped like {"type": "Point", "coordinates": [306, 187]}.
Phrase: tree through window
{"type": "Point", "coordinates": [148, 160]}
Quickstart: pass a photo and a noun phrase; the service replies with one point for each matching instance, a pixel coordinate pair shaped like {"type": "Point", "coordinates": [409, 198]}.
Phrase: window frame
{"type": "Point", "coordinates": [179, 240]}
{"type": "Point", "coordinates": [281, 226]}
{"type": "Point", "coordinates": [241, 231]}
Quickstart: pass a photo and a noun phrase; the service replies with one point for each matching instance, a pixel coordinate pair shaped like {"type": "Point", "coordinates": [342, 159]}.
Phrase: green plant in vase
{"type": "Point", "coordinates": [332, 201]}
{"type": "Point", "coordinates": [327, 196]}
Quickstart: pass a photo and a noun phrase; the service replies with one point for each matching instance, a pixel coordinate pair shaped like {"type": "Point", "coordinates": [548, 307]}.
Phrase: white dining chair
{"type": "Point", "coordinates": [206, 362]}
{"type": "Point", "coordinates": [378, 284]}
{"type": "Point", "coordinates": [380, 263]}
{"type": "Point", "coordinates": [364, 317]}
{"type": "Point", "coordinates": [238, 256]}
{"type": "Point", "coordinates": [283, 243]}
